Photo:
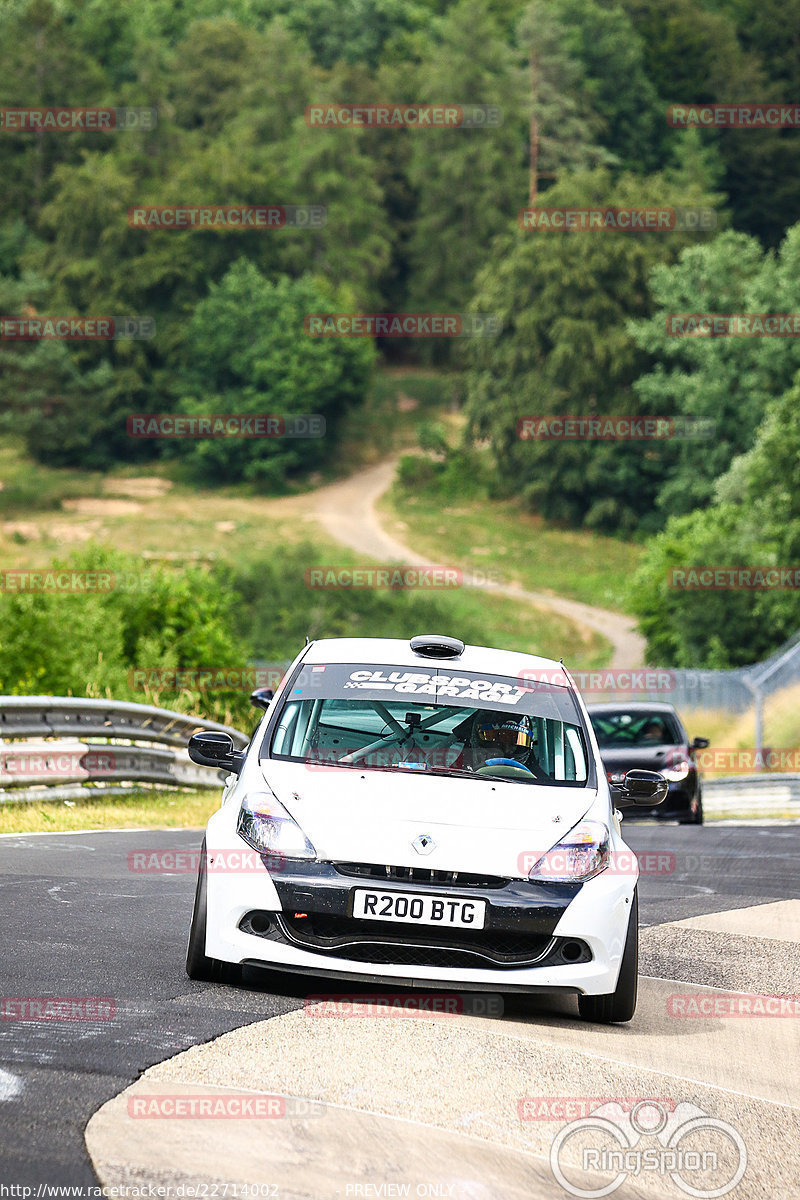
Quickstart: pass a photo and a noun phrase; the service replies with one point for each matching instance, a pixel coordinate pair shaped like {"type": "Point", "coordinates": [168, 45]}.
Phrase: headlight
{"type": "Point", "coordinates": [582, 854]}
{"type": "Point", "coordinates": [266, 826]}
{"type": "Point", "coordinates": [677, 771]}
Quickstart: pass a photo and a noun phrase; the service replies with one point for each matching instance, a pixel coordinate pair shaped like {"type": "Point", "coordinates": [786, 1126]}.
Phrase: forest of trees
{"type": "Point", "coordinates": [427, 221]}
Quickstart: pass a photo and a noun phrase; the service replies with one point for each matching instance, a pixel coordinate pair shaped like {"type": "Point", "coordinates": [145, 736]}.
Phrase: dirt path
{"type": "Point", "coordinates": [347, 511]}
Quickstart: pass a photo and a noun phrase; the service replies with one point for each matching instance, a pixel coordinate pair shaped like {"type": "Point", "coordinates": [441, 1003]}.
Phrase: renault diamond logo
{"type": "Point", "coordinates": [424, 843]}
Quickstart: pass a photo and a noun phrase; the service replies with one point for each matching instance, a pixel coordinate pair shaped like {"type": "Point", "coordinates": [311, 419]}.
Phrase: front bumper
{"type": "Point", "coordinates": [255, 919]}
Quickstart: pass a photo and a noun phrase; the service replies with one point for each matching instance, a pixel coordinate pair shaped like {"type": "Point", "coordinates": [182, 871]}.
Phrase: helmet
{"type": "Point", "coordinates": [508, 736]}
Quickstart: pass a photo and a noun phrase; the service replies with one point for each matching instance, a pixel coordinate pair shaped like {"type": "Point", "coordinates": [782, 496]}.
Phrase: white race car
{"type": "Point", "coordinates": [427, 814]}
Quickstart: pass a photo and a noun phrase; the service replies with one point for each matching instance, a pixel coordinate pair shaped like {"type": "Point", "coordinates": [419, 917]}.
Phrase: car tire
{"type": "Point", "coordinates": [695, 818]}
{"type": "Point", "coordinates": [619, 1005]}
{"type": "Point", "coordinates": [198, 964]}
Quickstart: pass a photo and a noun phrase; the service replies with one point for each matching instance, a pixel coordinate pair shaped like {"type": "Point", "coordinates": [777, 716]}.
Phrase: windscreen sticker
{"type": "Point", "coordinates": [364, 683]}
{"type": "Point", "coordinates": [456, 687]}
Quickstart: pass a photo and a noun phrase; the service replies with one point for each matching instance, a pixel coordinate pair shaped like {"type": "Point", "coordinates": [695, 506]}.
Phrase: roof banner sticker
{"type": "Point", "coordinates": [442, 686]}
{"type": "Point", "coordinates": [367, 682]}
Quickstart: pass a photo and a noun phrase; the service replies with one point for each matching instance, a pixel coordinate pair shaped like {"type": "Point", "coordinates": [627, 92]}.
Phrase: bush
{"type": "Point", "coordinates": [247, 352]}
{"type": "Point", "coordinates": [89, 643]}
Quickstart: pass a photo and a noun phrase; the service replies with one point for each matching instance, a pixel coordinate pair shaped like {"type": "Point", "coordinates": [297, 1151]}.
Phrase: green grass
{"type": "Point", "coordinates": [29, 487]}
{"type": "Point", "coordinates": [736, 731]}
{"type": "Point", "coordinates": [143, 810]}
{"type": "Point", "coordinates": [499, 536]}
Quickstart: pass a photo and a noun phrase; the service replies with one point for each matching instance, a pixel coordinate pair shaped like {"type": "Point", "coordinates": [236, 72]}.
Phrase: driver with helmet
{"type": "Point", "coordinates": [495, 738]}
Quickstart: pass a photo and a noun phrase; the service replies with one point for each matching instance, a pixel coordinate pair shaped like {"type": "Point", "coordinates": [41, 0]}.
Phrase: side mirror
{"type": "Point", "coordinates": [699, 744]}
{"type": "Point", "coordinates": [212, 748]}
{"type": "Point", "coordinates": [646, 788]}
{"type": "Point", "coordinates": [261, 697]}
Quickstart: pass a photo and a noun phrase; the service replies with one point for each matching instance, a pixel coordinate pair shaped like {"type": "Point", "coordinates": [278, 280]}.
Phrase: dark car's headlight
{"type": "Point", "coordinates": [678, 771]}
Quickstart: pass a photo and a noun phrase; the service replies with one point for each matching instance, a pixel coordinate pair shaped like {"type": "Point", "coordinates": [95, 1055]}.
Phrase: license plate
{"type": "Point", "coordinates": [456, 912]}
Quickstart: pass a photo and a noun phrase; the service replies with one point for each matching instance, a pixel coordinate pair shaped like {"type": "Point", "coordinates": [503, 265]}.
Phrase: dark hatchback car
{"type": "Point", "coordinates": [651, 736]}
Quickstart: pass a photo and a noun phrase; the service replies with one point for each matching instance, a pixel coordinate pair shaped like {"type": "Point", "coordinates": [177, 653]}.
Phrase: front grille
{"type": "Point", "coordinates": [419, 875]}
{"type": "Point", "coordinates": [381, 943]}
{"type": "Point", "coordinates": [347, 938]}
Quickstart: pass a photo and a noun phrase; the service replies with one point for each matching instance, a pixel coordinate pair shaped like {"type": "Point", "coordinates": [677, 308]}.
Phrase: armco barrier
{"type": "Point", "coordinates": [764, 795]}
{"type": "Point", "coordinates": [45, 751]}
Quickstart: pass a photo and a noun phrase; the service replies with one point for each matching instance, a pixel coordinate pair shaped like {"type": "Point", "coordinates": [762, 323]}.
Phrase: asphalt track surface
{"type": "Point", "coordinates": [76, 922]}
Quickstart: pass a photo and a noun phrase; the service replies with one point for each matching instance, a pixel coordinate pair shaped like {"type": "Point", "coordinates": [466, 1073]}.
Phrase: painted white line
{"type": "Point", "coordinates": [10, 1085]}
{"type": "Point", "coordinates": [82, 832]}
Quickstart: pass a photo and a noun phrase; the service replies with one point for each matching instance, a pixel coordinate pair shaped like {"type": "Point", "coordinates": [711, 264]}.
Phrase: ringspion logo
{"type": "Point", "coordinates": [702, 1155]}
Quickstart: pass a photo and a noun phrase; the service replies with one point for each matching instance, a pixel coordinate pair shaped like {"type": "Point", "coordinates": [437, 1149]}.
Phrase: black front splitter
{"type": "Point", "coordinates": [390, 981]}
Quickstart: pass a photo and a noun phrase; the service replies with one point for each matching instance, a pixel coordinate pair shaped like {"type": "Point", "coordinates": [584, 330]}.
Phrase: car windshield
{"type": "Point", "coordinates": [434, 721]}
{"type": "Point", "coordinates": [635, 728]}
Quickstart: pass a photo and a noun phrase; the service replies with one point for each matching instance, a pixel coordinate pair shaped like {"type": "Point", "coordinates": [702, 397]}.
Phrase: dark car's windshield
{"type": "Point", "coordinates": [632, 727]}
{"type": "Point", "coordinates": [432, 720]}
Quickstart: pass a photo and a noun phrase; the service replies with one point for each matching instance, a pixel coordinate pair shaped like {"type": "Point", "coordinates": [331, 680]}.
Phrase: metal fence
{"type": "Point", "coordinates": [739, 689]}
{"type": "Point", "coordinates": [735, 691]}
{"type": "Point", "coordinates": [55, 747]}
